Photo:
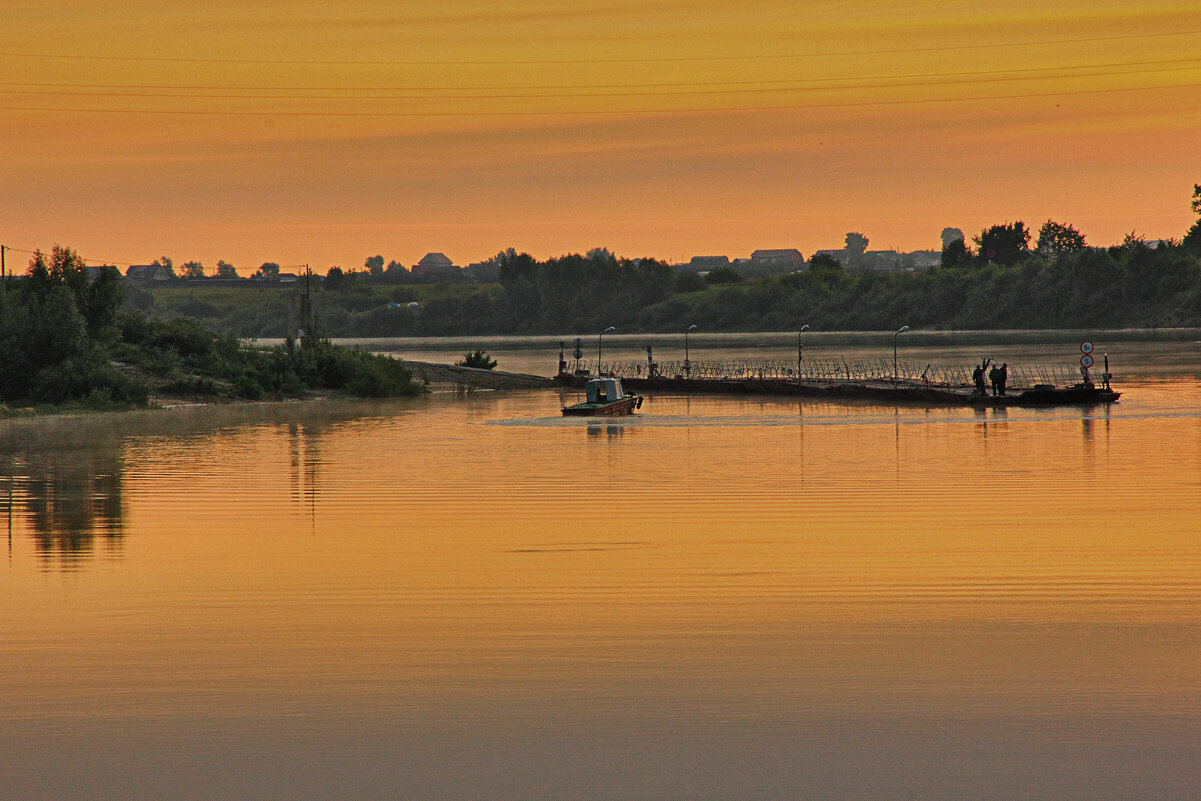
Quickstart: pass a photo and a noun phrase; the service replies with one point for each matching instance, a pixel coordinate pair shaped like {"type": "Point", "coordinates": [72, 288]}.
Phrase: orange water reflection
{"type": "Point", "coordinates": [455, 564]}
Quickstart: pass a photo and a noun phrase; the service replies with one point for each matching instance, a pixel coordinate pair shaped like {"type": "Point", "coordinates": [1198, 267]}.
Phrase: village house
{"type": "Point", "coordinates": [436, 267]}
{"type": "Point", "coordinates": [787, 258]}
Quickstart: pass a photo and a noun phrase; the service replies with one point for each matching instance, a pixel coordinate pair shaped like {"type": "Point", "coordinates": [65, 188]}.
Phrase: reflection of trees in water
{"type": "Point", "coordinates": [61, 479]}
{"type": "Point", "coordinates": [66, 499]}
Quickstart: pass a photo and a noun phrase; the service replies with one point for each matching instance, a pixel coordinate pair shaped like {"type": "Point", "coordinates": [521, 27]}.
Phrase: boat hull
{"type": "Point", "coordinates": [616, 408]}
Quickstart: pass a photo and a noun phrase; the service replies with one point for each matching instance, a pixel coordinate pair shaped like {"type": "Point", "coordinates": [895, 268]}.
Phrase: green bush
{"type": "Point", "coordinates": [478, 359]}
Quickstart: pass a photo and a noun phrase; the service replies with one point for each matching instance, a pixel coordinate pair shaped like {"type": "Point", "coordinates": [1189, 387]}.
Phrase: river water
{"type": "Point", "coordinates": [470, 596]}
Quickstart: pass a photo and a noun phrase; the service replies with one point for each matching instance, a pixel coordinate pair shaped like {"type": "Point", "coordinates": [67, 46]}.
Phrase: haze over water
{"type": "Point", "coordinates": [469, 596]}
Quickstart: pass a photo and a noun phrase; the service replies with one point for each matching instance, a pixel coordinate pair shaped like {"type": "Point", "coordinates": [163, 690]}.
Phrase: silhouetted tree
{"type": "Point", "coordinates": [949, 235]}
{"type": "Point", "coordinates": [226, 270]}
{"type": "Point", "coordinates": [955, 253]}
{"type": "Point", "coordinates": [397, 273]}
{"type": "Point", "coordinates": [375, 266]}
{"type": "Point", "coordinates": [1003, 244]}
{"type": "Point", "coordinates": [1058, 239]}
{"type": "Point", "coordinates": [269, 271]}
{"type": "Point", "coordinates": [333, 278]}
{"type": "Point", "coordinates": [193, 269]}
{"type": "Point", "coordinates": [825, 264]}
{"type": "Point", "coordinates": [856, 246]}
{"type": "Point", "coordinates": [1192, 239]}
{"type": "Point", "coordinates": [601, 254]}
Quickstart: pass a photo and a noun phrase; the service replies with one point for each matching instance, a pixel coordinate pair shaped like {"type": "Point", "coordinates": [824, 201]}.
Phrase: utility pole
{"type": "Point", "coordinates": [306, 310]}
{"type": "Point", "coordinates": [3, 274]}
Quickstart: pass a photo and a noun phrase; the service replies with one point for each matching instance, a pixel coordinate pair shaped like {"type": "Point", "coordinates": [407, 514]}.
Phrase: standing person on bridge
{"type": "Point", "coordinates": [994, 377]}
{"type": "Point", "coordinates": [978, 377]}
{"type": "Point", "coordinates": [1003, 376]}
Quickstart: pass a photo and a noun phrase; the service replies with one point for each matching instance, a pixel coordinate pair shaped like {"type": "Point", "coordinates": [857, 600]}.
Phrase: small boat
{"type": "Point", "coordinates": [605, 398]}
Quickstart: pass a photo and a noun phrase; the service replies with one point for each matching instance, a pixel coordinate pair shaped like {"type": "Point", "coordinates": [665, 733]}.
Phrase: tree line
{"type": "Point", "coordinates": [1007, 276]}
{"type": "Point", "coordinates": [68, 336]}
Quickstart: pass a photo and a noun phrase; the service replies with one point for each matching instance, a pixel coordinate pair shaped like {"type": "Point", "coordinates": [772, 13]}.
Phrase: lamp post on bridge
{"type": "Point", "coordinates": [900, 331]}
{"type": "Point", "coordinates": [599, 342]}
{"type": "Point", "coordinates": [687, 363]}
{"type": "Point", "coordinates": [800, 352]}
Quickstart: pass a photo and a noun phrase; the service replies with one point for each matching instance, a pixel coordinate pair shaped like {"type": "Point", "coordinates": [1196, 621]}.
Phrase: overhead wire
{"type": "Point", "coordinates": [600, 112]}
{"type": "Point", "coordinates": [611, 60]}
{"type": "Point", "coordinates": [543, 96]}
{"type": "Point", "coordinates": [656, 85]}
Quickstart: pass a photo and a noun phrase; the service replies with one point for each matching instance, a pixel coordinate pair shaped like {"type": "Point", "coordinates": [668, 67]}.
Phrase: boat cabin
{"type": "Point", "coordinates": [604, 390]}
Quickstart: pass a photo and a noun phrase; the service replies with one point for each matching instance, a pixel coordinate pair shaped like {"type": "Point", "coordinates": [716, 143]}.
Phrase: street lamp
{"type": "Point", "coordinates": [687, 364]}
{"type": "Point", "coordinates": [900, 331]}
{"type": "Point", "coordinates": [599, 341]}
{"type": "Point", "coordinates": [800, 352]}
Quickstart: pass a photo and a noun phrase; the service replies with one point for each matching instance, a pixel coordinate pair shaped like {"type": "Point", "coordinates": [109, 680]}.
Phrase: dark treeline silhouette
{"type": "Point", "coordinates": [1007, 276]}
{"type": "Point", "coordinates": [1131, 285]}
{"type": "Point", "coordinates": [66, 336]}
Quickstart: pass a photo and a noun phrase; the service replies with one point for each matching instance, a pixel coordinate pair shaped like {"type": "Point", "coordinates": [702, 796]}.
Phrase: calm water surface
{"type": "Point", "coordinates": [473, 597]}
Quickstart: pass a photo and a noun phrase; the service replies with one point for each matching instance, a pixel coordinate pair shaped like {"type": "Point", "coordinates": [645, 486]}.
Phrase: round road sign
{"type": "Point", "coordinates": [1086, 347]}
{"type": "Point", "coordinates": [1086, 361]}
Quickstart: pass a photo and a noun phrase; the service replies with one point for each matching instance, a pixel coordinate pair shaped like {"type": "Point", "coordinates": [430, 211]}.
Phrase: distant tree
{"type": "Point", "coordinates": [477, 358]}
{"type": "Point", "coordinates": [269, 271]}
{"type": "Point", "coordinates": [193, 269]}
{"type": "Point", "coordinates": [601, 255]}
{"type": "Point", "coordinates": [226, 270]}
{"type": "Point", "coordinates": [1192, 239]}
{"type": "Point", "coordinates": [856, 246]}
{"type": "Point", "coordinates": [1003, 244]}
{"type": "Point", "coordinates": [949, 235]}
{"type": "Point", "coordinates": [955, 253]}
{"type": "Point", "coordinates": [397, 273]}
{"type": "Point", "coordinates": [1058, 239]}
{"type": "Point", "coordinates": [723, 275]}
{"type": "Point", "coordinates": [333, 278]}
{"type": "Point", "coordinates": [1134, 241]}
{"type": "Point", "coordinates": [375, 266]}
{"type": "Point", "coordinates": [824, 263]}
{"type": "Point", "coordinates": [515, 267]}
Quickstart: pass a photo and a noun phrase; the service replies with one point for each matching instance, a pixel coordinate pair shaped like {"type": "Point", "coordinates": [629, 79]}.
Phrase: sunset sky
{"type": "Point", "coordinates": [299, 132]}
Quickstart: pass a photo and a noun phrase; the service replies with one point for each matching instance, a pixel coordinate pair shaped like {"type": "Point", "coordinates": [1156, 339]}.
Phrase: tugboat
{"type": "Point", "coordinates": [604, 398]}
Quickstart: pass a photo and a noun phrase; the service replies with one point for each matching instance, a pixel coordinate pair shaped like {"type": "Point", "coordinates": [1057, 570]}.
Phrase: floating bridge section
{"type": "Point", "coordinates": [876, 379]}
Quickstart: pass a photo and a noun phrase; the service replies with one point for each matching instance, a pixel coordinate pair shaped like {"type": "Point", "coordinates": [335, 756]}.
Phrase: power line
{"type": "Point", "coordinates": [658, 85]}
{"type": "Point", "coordinates": [600, 112]}
{"type": "Point", "coordinates": [533, 96]}
{"type": "Point", "coordinates": [12, 249]}
{"type": "Point", "coordinates": [642, 60]}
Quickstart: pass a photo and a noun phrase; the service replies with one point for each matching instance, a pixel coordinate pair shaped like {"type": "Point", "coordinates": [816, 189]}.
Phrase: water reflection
{"type": "Point", "coordinates": [610, 430]}
{"type": "Point", "coordinates": [63, 480]}
{"type": "Point", "coordinates": [66, 497]}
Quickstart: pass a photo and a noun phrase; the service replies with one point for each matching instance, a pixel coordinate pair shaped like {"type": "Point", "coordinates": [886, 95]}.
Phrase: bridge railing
{"type": "Point", "coordinates": [838, 370]}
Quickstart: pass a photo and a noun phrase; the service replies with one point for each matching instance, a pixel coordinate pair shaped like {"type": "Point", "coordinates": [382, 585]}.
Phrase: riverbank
{"type": "Point", "coordinates": [435, 373]}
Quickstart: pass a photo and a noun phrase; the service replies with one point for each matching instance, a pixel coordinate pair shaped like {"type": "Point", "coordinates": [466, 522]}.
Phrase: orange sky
{"type": "Point", "coordinates": [304, 132]}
